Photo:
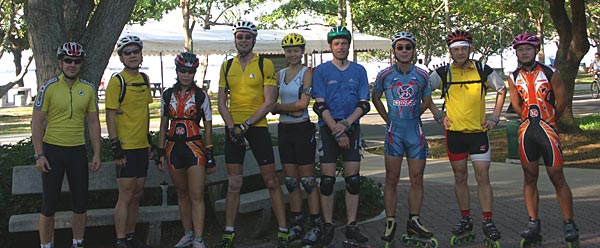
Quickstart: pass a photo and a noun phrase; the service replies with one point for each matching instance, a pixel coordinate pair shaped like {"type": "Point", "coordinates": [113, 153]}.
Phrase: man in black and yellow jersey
{"type": "Point", "coordinates": [127, 120]}
{"type": "Point", "coordinates": [464, 84]}
{"type": "Point", "coordinates": [251, 92]}
{"type": "Point", "coordinates": [62, 105]}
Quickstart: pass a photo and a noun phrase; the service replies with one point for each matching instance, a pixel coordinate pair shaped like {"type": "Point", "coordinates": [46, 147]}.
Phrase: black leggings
{"type": "Point", "coordinates": [73, 161]}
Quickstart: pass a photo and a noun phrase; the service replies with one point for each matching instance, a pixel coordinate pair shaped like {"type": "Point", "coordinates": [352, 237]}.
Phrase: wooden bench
{"type": "Point", "coordinates": [27, 180]}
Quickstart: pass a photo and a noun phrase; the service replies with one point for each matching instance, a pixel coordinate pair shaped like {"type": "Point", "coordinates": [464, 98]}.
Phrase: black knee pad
{"type": "Point", "coordinates": [327, 183]}
{"type": "Point", "coordinates": [291, 183]}
{"type": "Point", "coordinates": [309, 184]}
{"type": "Point", "coordinates": [353, 184]}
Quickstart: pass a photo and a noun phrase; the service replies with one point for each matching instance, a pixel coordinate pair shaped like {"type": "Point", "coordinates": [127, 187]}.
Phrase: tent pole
{"type": "Point", "coordinates": [162, 79]}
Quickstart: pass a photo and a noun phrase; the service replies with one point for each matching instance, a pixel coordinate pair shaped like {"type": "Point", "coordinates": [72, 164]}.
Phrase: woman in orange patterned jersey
{"type": "Point", "coordinates": [181, 146]}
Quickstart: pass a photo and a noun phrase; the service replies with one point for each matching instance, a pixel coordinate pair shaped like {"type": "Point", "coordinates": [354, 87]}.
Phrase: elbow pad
{"type": "Point", "coordinates": [364, 106]}
{"type": "Point", "coordinates": [319, 108]}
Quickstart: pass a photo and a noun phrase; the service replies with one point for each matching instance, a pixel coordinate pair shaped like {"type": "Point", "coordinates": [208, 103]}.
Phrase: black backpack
{"type": "Point", "coordinates": [261, 63]}
{"type": "Point", "coordinates": [483, 70]}
{"type": "Point", "coordinates": [199, 97]}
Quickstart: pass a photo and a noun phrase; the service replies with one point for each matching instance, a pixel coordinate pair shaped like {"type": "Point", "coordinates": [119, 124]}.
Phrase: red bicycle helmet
{"type": "Point", "coordinates": [459, 35]}
{"type": "Point", "coordinates": [526, 38]}
{"type": "Point", "coordinates": [72, 49]}
{"type": "Point", "coordinates": [187, 60]}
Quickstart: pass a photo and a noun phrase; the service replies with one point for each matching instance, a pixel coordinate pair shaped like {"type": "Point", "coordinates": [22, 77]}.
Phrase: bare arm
{"type": "Point", "coordinates": [37, 134]}
{"type": "Point", "coordinates": [376, 98]}
{"type": "Point", "coordinates": [222, 99]}
{"type": "Point", "coordinates": [270, 93]}
{"type": "Point", "coordinates": [94, 129]}
{"type": "Point", "coordinates": [111, 123]}
{"type": "Point", "coordinates": [426, 103]}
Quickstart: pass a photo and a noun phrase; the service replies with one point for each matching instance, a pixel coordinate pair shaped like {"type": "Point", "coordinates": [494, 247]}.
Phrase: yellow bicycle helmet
{"type": "Point", "coordinates": [293, 39]}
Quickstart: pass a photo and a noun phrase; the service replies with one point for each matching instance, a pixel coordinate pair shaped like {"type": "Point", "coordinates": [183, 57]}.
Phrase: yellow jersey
{"type": "Point", "coordinates": [247, 88]}
{"type": "Point", "coordinates": [133, 114]}
{"type": "Point", "coordinates": [66, 108]}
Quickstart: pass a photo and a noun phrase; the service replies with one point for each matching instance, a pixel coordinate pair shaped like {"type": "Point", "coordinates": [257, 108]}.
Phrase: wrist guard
{"type": "Point", "coordinates": [210, 158]}
{"type": "Point", "coordinates": [116, 149]}
{"type": "Point", "coordinates": [492, 118]}
{"type": "Point", "coordinates": [439, 117]}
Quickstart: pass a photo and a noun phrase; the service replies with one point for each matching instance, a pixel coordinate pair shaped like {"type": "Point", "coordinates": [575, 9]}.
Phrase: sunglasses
{"type": "Point", "coordinates": [188, 71]}
{"type": "Point", "coordinates": [407, 47]}
{"type": "Point", "coordinates": [246, 37]}
{"type": "Point", "coordinates": [132, 51]}
{"type": "Point", "coordinates": [69, 61]}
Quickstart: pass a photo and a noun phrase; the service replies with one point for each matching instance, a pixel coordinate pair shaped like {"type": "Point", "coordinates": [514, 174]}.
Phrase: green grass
{"type": "Point", "coordinates": [589, 122]}
{"type": "Point", "coordinates": [584, 78]}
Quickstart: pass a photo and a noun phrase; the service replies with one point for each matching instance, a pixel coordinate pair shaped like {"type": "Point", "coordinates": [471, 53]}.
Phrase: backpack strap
{"type": "Point", "coordinates": [227, 67]}
{"type": "Point", "coordinates": [125, 84]}
{"type": "Point", "coordinates": [261, 63]}
{"type": "Point", "coordinates": [199, 98]}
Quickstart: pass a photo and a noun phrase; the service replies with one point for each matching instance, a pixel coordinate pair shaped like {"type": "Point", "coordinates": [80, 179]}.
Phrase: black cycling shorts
{"type": "Point", "coordinates": [259, 140]}
{"type": "Point", "coordinates": [329, 150]}
{"type": "Point", "coordinates": [137, 164]}
{"type": "Point", "coordinates": [72, 160]}
{"type": "Point", "coordinates": [297, 143]}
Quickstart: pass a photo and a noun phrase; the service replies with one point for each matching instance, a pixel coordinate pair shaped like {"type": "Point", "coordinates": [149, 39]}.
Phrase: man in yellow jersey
{"type": "Point", "coordinates": [464, 83]}
{"type": "Point", "coordinates": [127, 120]}
{"type": "Point", "coordinates": [248, 83]}
{"type": "Point", "coordinates": [62, 105]}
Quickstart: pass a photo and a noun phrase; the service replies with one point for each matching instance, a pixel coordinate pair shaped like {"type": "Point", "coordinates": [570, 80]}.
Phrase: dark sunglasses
{"type": "Point", "coordinates": [407, 47]}
{"type": "Point", "coordinates": [242, 37]}
{"type": "Point", "coordinates": [69, 61]}
{"type": "Point", "coordinates": [188, 71]}
{"type": "Point", "coordinates": [132, 51]}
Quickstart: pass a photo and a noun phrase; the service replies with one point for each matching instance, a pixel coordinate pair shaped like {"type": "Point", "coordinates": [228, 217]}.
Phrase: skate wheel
{"type": "Point", "coordinates": [574, 244]}
{"type": "Point", "coordinates": [471, 237]}
{"type": "Point", "coordinates": [405, 240]}
{"type": "Point", "coordinates": [454, 241]}
{"type": "Point", "coordinates": [486, 243]}
{"type": "Point", "coordinates": [390, 244]}
{"type": "Point", "coordinates": [496, 244]}
{"type": "Point", "coordinates": [433, 243]}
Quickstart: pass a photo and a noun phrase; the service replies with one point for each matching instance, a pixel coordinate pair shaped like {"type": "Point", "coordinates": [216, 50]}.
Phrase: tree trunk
{"type": "Point", "coordinates": [96, 27]}
{"type": "Point", "coordinates": [572, 47]}
{"type": "Point", "coordinates": [187, 29]}
{"type": "Point", "coordinates": [17, 55]}
{"type": "Point", "coordinates": [340, 12]}
{"type": "Point", "coordinates": [349, 22]}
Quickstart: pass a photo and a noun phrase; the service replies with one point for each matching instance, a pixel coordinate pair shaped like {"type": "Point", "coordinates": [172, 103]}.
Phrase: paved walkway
{"type": "Point", "coordinates": [440, 210]}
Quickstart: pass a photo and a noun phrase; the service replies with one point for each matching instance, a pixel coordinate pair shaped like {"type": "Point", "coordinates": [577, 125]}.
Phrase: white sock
{"type": "Point", "coordinates": [49, 245]}
{"type": "Point", "coordinates": [77, 241]}
{"type": "Point", "coordinates": [229, 229]}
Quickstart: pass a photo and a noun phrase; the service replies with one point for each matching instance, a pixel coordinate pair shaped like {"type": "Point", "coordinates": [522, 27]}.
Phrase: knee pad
{"type": "Point", "coordinates": [291, 183]}
{"type": "Point", "coordinates": [353, 184]}
{"type": "Point", "coordinates": [235, 183]}
{"type": "Point", "coordinates": [309, 184]}
{"type": "Point", "coordinates": [327, 183]}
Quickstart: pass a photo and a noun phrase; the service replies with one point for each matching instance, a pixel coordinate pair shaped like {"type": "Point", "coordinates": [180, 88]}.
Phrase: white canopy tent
{"type": "Point", "coordinates": [169, 40]}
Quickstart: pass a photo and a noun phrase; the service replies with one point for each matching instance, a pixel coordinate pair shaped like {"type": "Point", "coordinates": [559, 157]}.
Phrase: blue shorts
{"type": "Point", "coordinates": [406, 138]}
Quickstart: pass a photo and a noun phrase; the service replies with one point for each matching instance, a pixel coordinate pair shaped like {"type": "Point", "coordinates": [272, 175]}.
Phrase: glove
{"type": "Point", "coordinates": [116, 149]}
{"type": "Point", "coordinates": [236, 134]}
{"type": "Point", "coordinates": [439, 117]}
{"type": "Point", "coordinates": [210, 158]}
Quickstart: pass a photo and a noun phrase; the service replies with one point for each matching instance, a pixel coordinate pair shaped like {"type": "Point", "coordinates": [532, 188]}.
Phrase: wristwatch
{"type": "Point", "coordinates": [38, 155]}
{"type": "Point", "coordinates": [248, 123]}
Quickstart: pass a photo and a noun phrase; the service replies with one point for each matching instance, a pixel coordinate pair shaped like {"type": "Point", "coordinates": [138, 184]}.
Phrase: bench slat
{"type": "Point", "coordinates": [95, 217]}
{"type": "Point", "coordinates": [27, 180]}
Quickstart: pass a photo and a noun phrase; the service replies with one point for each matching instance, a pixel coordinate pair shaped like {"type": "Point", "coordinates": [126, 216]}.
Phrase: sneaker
{"type": "Point", "coordinates": [185, 241]}
{"type": "Point", "coordinates": [198, 243]}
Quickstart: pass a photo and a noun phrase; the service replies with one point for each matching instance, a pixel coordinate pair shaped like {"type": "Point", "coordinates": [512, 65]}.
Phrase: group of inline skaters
{"type": "Point", "coordinates": [249, 88]}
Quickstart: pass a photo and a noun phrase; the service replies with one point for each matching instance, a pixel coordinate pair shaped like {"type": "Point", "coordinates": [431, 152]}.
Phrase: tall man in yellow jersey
{"type": "Point", "coordinates": [127, 120]}
{"type": "Point", "coordinates": [62, 105]}
{"type": "Point", "coordinates": [251, 92]}
{"type": "Point", "coordinates": [464, 83]}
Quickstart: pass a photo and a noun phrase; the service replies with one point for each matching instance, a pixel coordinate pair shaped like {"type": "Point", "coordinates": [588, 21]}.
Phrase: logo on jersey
{"type": "Point", "coordinates": [80, 92]}
{"type": "Point", "coordinates": [534, 113]}
{"type": "Point", "coordinates": [406, 91]}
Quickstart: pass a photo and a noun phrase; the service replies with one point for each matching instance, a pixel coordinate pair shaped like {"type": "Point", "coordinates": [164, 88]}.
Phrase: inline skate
{"type": "Point", "coordinates": [462, 233]}
{"type": "Point", "coordinates": [354, 239]}
{"type": "Point", "coordinates": [531, 235]}
{"type": "Point", "coordinates": [226, 240]}
{"type": "Point", "coordinates": [313, 234]}
{"type": "Point", "coordinates": [390, 232]}
{"type": "Point", "coordinates": [417, 235]}
{"type": "Point", "coordinates": [571, 234]}
{"type": "Point", "coordinates": [491, 235]}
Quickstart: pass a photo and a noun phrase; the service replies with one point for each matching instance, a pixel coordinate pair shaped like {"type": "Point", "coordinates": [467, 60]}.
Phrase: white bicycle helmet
{"type": "Point", "coordinates": [245, 26]}
{"type": "Point", "coordinates": [404, 36]}
{"type": "Point", "coordinates": [72, 49]}
{"type": "Point", "coordinates": [128, 40]}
